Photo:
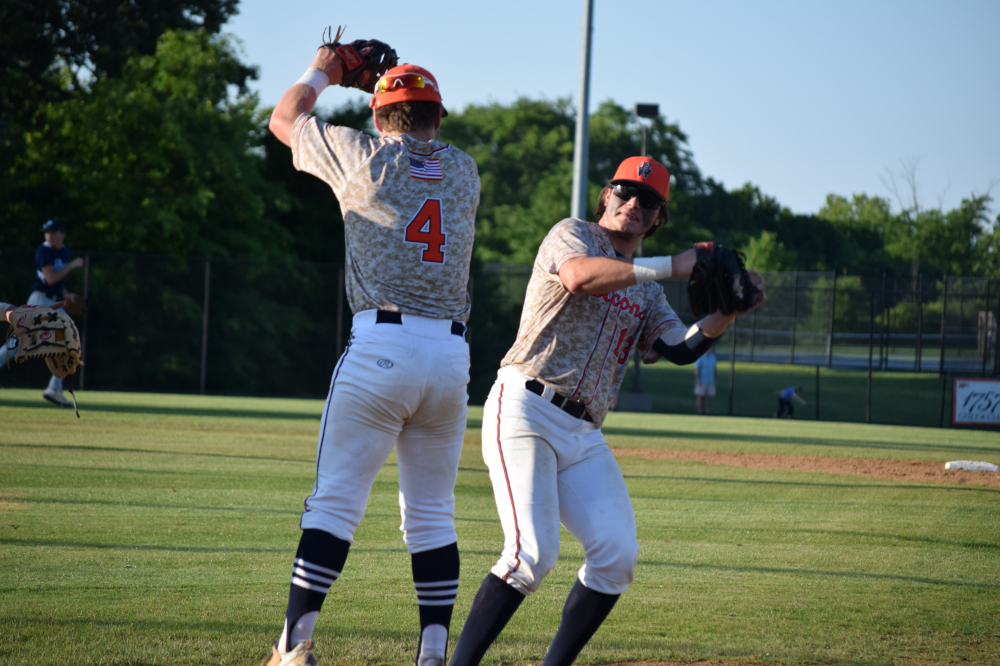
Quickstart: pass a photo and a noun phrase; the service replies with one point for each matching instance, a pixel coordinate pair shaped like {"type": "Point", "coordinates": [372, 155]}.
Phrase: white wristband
{"type": "Point", "coordinates": [316, 79]}
{"type": "Point", "coordinates": [646, 269]}
{"type": "Point", "coordinates": [3, 309]}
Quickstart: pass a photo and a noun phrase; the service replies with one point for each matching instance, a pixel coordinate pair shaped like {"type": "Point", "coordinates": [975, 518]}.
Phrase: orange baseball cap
{"type": "Point", "coordinates": [647, 172]}
{"type": "Point", "coordinates": [407, 83]}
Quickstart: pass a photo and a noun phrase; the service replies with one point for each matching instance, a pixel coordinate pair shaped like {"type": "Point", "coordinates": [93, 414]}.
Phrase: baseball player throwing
{"type": "Point", "coordinates": [588, 308]}
{"type": "Point", "coordinates": [409, 205]}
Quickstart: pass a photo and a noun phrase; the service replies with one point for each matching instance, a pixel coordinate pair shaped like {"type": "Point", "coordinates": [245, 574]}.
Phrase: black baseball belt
{"type": "Point", "coordinates": [386, 317]}
{"type": "Point", "coordinates": [576, 409]}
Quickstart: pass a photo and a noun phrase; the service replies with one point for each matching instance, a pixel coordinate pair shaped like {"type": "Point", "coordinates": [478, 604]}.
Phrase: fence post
{"type": "Point", "coordinates": [996, 335]}
{"type": "Point", "coordinates": [917, 359]}
{"type": "Point", "coordinates": [86, 308]}
{"type": "Point", "coordinates": [732, 369]}
{"type": "Point", "coordinates": [986, 326]}
{"type": "Point", "coordinates": [340, 313]}
{"type": "Point", "coordinates": [817, 392]}
{"type": "Point", "coordinates": [833, 309]}
{"type": "Point", "coordinates": [753, 332]}
{"type": "Point", "coordinates": [944, 311]}
{"type": "Point", "coordinates": [871, 345]}
{"type": "Point", "coordinates": [795, 315]}
{"type": "Point", "coordinates": [204, 326]}
{"type": "Point", "coordinates": [883, 351]}
{"type": "Point", "coordinates": [944, 394]}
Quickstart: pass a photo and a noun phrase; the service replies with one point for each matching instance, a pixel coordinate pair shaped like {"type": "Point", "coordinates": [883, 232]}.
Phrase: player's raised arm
{"type": "Point", "coordinates": [355, 65]}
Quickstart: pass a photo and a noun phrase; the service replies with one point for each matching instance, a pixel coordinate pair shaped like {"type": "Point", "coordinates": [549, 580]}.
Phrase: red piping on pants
{"type": "Point", "coordinates": [510, 493]}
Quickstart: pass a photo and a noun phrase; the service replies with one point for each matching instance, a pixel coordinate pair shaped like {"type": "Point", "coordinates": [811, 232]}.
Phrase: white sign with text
{"type": "Point", "coordinates": [976, 402]}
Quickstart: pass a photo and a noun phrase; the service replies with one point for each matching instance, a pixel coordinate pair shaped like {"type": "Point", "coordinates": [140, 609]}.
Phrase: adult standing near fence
{"type": "Point", "coordinates": [785, 397]}
{"type": "Point", "coordinates": [588, 307]}
{"type": "Point", "coordinates": [52, 265]}
{"type": "Point", "coordinates": [704, 381]}
{"type": "Point", "coordinates": [409, 204]}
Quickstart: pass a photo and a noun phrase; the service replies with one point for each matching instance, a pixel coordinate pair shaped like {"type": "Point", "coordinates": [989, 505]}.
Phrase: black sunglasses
{"type": "Point", "coordinates": [647, 199]}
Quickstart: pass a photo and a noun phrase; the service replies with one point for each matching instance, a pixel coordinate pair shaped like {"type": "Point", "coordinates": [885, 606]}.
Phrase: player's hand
{"type": "Point", "coordinates": [76, 263]}
{"type": "Point", "coordinates": [330, 62]}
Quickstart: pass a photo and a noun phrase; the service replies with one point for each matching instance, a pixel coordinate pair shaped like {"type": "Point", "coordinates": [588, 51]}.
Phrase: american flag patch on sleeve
{"type": "Point", "coordinates": [426, 170]}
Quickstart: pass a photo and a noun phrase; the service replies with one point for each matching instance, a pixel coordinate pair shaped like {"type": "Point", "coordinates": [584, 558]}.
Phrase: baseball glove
{"type": "Point", "coordinates": [42, 332]}
{"type": "Point", "coordinates": [719, 281]}
{"type": "Point", "coordinates": [361, 70]}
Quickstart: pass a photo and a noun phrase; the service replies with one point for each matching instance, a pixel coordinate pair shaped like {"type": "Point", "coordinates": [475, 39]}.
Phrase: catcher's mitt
{"type": "Point", "coordinates": [361, 70]}
{"type": "Point", "coordinates": [42, 332]}
{"type": "Point", "coordinates": [719, 281]}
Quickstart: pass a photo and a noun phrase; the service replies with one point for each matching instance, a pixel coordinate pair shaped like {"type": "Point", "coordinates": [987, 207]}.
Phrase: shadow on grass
{"type": "Point", "coordinates": [794, 441]}
{"type": "Point", "coordinates": [86, 406]}
{"type": "Point", "coordinates": [115, 449]}
{"type": "Point", "coordinates": [868, 536]}
{"type": "Point", "coordinates": [152, 505]}
{"type": "Point", "coordinates": [79, 469]}
{"type": "Point", "coordinates": [896, 486]}
{"type": "Point", "coordinates": [826, 574]}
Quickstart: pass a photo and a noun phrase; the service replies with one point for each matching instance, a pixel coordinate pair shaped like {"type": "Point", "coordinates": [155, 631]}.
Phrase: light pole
{"type": "Point", "coordinates": [578, 204]}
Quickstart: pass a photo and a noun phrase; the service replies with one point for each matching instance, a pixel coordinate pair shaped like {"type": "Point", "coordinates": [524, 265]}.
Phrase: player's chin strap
{"type": "Point", "coordinates": [688, 350]}
{"type": "Point", "coordinates": [75, 408]}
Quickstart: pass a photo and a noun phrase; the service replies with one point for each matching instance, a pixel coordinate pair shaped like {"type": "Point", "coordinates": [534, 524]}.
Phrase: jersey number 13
{"type": "Point", "coordinates": [425, 229]}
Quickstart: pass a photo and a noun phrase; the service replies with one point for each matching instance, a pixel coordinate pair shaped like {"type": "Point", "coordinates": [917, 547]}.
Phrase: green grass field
{"type": "Point", "coordinates": [159, 529]}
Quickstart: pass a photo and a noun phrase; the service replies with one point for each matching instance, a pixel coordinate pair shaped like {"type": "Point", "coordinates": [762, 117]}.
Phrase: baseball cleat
{"type": "Point", "coordinates": [56, 397]}
{"type": "Point", "coordinates": [300, 655]}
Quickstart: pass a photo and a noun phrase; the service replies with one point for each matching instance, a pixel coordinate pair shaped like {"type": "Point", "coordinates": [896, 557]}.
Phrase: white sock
{"type": "Point", "coordinates": [302, 631]}
{"type": "Point", "coordinates": [433, 642]}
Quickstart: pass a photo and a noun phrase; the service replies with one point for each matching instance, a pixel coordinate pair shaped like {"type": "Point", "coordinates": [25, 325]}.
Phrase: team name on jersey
{"type": "Point", "coordinates": [621, 302]}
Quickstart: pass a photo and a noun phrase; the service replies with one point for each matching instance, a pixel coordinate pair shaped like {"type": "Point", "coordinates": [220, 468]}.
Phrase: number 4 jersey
{"type": "Point", "coordinates": [409, 212]}
{"type": "Point", "coordinates": [579, 345]}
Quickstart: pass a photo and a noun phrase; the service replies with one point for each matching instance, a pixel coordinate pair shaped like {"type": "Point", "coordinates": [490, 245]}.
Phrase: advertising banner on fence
{"type": "Point", "coordinates": [975, 402]}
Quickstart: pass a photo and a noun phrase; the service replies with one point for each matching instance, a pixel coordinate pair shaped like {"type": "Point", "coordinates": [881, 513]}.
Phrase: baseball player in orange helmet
{"type": "Point", "coordinates": [588, 308]}
{"type": "Point", "coordinates": [409, 205]}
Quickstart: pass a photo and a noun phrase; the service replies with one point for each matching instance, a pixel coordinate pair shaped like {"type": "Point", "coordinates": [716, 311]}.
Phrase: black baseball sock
{"type": "Point", "coordinates": [318, 562]}
{"type": "Point", "coordinates": [583, 613]}
{"type": "Point", "coordinates": [491, 610]}
{"type": "Point", "coordinates": [435, 576]}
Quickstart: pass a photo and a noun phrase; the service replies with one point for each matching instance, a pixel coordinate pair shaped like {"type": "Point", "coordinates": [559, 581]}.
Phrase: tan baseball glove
{"type": "Point", "coordinates": [42, 332]}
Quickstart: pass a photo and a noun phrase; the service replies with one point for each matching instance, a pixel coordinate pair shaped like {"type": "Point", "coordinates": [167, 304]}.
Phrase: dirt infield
{"type": "Point", "coordinates": [897, 470]}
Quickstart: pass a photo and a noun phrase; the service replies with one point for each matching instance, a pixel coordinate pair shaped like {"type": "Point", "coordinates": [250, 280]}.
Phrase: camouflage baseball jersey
{"type": "Point", "coordinates": [579, 345]}
{"type": "Point", "coordinates": [409, 212]}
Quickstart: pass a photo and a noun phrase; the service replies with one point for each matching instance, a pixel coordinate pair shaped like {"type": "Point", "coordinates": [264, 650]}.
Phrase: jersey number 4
{"type": "Point", "coordinates": [425, 228]}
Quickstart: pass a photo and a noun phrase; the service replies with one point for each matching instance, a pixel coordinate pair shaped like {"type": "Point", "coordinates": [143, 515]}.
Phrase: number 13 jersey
{"type": "Point", "coordinates": [579, 345]}
{"type": "Point", "coordinates": [409, 212]}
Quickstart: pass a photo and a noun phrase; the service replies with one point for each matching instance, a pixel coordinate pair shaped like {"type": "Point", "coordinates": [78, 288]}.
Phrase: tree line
{"type": "Point", "coordinates": [134, 123]}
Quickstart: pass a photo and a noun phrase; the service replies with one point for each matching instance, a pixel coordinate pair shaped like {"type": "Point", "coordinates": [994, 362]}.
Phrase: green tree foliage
{"type": "Point", "coordinates": [161, 160]}
{"type": "Point", "coordinates": [525, 157]}
{"type": "Point", "coordinates": [49, 48]}
{"type": "Point", "coordinates": [767, 253]}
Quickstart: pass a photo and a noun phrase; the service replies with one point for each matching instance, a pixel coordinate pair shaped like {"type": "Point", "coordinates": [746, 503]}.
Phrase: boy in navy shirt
{"type": "Point", "coordinates": [52, 265]}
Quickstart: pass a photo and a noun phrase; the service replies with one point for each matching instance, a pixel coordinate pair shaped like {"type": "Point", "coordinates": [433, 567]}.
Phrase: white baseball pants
{"type": "Point", "coordinates": [401, 385]}
{"type": "Point", "coordinates": [547, 468]}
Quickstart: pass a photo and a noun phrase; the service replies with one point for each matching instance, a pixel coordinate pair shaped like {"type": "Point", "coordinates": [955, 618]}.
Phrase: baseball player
{"type": "Point", "coordinates": [785, 397]}
{"type": "Point", "coordinates": [52, 265]}
{"type": "Point", "coordinates": [409, 204]}
{"type": "Point", "coordinates": [704, 381]}
{"type": "Point", "coordinates": [588, 308]}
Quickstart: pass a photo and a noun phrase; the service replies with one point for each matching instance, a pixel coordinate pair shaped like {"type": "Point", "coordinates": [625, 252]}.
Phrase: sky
{"type": "Point", "coordinates": [801, 98]}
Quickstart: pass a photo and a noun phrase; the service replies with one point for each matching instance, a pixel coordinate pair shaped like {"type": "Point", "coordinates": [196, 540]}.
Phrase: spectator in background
{"type": "Point", "coordinates": [704, 381]}
{"type": "Point", "coordinates": [52, 265]}
{"type": "Point", "coordinates": [785, 397]}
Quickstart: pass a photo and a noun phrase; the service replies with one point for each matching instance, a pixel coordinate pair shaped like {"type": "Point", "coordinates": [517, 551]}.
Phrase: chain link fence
{"type": "Point", "coordinates": [246, 327]}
